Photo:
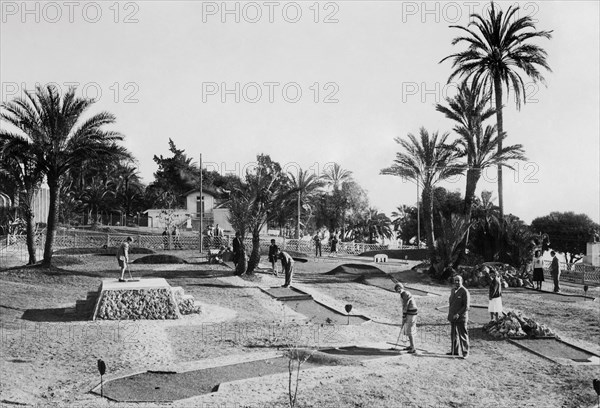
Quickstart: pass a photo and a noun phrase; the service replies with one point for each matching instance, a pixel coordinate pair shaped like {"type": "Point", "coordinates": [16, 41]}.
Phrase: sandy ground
{"type": "Point", "coordinates": [50, 361]}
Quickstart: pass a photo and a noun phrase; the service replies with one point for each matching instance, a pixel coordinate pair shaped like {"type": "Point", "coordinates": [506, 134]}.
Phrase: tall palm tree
{"type": "Point", "coordinates": [468, 110]}
{"type": "Point", "coordinates": [426, 161]}
{"type": "Point", "coordinates": [499, 54]}
{"type": "Point", "coordinates": [60, 139]}
{"type": "Point", "coordinates": [335, 175]}
{"type": "Point", "coordinates": [305, 185]}
{"type": "Point", "coordinates": [19, 166]}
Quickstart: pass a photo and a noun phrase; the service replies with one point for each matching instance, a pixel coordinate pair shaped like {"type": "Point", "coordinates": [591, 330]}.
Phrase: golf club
{"type": "Point", "coordinates": [399, 334]}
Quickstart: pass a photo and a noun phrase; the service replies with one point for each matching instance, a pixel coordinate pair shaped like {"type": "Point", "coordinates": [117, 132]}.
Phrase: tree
{"type": "Point", "coordinates": [255, 201]}
{"type": "Point", "coordinates": [486, 227]}
{"type": "Point", "coordinates": [452, 232]}
{"type": "Point", "coordinates": [499, 54]}
{"type": "Point", "coordinates": [335, 175]}
{"type": "Point", "coordinates": [480, 146]}
{"type": "Point", "coordinates": [304, 185]}
{"type": "Point", "coordinates": [568, 232]}
{"type": "Point", "coordinates": [60, 139]}
{"type": "Point", "coordinates": [175, 176]}
{"type": "Point", "coordinates": [371, 225]}
{"type": "Point", "coordinates": [426, 161]}
{"type": "Point", "coordinates": [18, 166]}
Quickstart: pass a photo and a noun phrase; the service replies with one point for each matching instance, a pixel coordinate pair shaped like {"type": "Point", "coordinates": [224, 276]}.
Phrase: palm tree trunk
{"type": "Point", "coordinates": [52, 221]}
{"type": "Point", "coordinates": [428, 215]}
{"type": "Point", "coordinates": [500, 124]}
{"type": "Point", "coordinates": [298, 221]}
{"type": "Point", "coordinates": [30, 229]}
{"type": "Point", "coordinates": [473, 176]}
{"type": "Point", "coordinates": [255, 255]}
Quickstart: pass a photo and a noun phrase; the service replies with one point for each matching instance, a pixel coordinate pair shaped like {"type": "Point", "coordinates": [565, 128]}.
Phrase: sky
{"type": "Point", "coordinates": [312, 83]}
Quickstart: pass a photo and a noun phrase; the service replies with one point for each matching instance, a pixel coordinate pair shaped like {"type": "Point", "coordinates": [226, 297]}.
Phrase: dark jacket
{"type": "Point", "coordinates": [459, 304]}
{"type": "Point", "coordinates": [554, 267]}
{"type": "Point", "coordinates": [273, 249]}
{"type": "Point", "coordinates": [495, 289]}
{"type": "Point", "coordinates": [286, 260]}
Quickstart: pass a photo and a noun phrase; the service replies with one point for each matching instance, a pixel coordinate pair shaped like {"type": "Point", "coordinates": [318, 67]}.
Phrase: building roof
{"type": "Point", "coordinates": [216, 192]}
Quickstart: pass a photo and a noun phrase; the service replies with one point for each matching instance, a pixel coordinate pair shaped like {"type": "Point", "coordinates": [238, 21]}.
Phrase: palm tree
{"type": "Point", "coordinates": [18, 166]}
{"type": "Point", "coordinates": [499, 53]}
{"type": "Point", "coordinates": [305, 185]}
{"type": "Point", "coordinates": [426, 161]}
{"type": "Point", "coordinates": [487, 223]}
{"type": "Point", "coordinates": [254, 203]}
{"type": "Point", "coordinates": [468, 110]}
{"type": "Point", "coordinates": [335, 175]}
{"type": "Point", "coordinates": [60, 139]}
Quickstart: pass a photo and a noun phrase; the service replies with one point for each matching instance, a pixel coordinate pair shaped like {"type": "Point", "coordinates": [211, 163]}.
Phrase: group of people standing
{"type": "Point", "coordinates": [333, 242]}
{"type": "Point", "coordinates": [287, 263]}
{"type": "Point", "coordinates": [458, 316]}
{"type": "Point", "coordinates": [538, 270]}
{"type": "Point", "coordinates": [176, 237]}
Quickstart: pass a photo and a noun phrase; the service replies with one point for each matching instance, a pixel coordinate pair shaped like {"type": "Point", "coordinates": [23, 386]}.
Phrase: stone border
{"type": "Point", "coordinates": [594, 360]}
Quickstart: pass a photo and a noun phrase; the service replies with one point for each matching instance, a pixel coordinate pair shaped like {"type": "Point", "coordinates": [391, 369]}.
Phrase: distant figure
{"type": "Point", "coordinates": [287, 266]}
{"type": "Point", "coordinates": [123, 257]}
{"type": "Point", "coordinates": [538, 269]}
{"type": "Point", "coordinates": [409, 316]}
{"type": "Point", "coordinates": [495, 295]}
{"type": "Point", "coordinates": [458, 316]}
{"type": "Point", "coordinates": [334, 242]}
{"type": "Point", "coordinates": [317, 240]}
{"type": "Point", "coordinates": [165, 235]}
{"type": "Point", "coordinates": [218, 231]}
{"type": "Point", "coordinates": [237, 248]}
{"type": "Point", "coordinates": [176, 235]}
{"type": "Point", "coordinates": [273, 251]}
{"type": "Point", "coordinates": [555, 271]}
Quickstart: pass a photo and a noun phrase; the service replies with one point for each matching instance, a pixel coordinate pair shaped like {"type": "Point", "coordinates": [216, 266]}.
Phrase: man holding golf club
{"type": "Point", "coordinates": [123, 257]}
{"type": "Point", "coordinates": [409, 317]}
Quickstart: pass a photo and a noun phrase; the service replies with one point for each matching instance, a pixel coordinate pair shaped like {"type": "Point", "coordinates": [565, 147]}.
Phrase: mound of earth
{"type": "Point", "coordinates": [160, 259]}
{"type": "Point", "coordinates": [66, 260]}
{"type": "Point", "coordinates": [365, 271]}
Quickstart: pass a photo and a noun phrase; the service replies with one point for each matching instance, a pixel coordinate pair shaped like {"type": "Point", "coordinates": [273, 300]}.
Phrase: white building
{"type": "Point", "coordinates": [209, 206]}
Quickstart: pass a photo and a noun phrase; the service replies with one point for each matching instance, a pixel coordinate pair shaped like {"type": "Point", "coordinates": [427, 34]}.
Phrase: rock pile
{"type": "Point", "coordinates": [515, 325]}
{"type": "Point", "coordinates": [152, 304]}
{"type": "Point", "coordinates": [157, 304]}
{"type": "Point", "coordinates": [478, 277]}
{"type": "Point", "coordinates": [185, 302]}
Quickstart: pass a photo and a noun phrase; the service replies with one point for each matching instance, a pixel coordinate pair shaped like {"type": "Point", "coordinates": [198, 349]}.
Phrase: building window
{"type": "Point", "coordinates": [199, 206]}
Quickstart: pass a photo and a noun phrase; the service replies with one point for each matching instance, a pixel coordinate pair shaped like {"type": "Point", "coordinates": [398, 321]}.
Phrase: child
{"type": "Point", "coordinates": [123, 257]}
{"type": "Point", "coordinates": [273, 250]}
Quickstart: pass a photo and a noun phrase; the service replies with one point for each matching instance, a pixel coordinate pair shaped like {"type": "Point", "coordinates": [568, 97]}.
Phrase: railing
{"type": "Point", "coordinates": [578, 273]}
{"type": "Point", "coordinates": [13, 249]}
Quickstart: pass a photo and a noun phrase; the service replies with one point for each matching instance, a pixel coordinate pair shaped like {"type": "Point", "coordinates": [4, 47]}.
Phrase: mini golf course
{"type": "Point", "coordinates": [316, 312]}
{"type": "Point", "coordinates": [152, 386]}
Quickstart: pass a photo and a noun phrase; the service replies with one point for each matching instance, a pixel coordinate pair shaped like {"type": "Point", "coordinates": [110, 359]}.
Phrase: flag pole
{"type": "Point", "coordinates": [201, 205]}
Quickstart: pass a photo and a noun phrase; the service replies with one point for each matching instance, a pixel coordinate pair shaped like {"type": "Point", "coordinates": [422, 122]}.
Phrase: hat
{"type": "Point", "coordinates": [399, 287]}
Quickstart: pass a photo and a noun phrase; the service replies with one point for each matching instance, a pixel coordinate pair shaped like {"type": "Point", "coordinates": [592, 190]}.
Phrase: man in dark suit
{"type": "Point", "coordinates": [458, 316]}
{"type": "Point", "coordinates": [555, 271]}
{"type": "Point", "coordinates": [237, 248]}
{"type": "Point", "coordinates": [287, 265]}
